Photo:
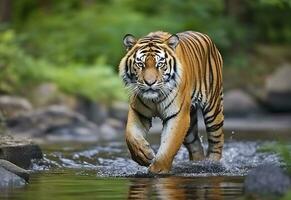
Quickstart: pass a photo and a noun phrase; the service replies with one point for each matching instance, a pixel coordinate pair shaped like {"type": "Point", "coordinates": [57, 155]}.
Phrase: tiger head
{"type": "Point", "coordinates": [150, 67]}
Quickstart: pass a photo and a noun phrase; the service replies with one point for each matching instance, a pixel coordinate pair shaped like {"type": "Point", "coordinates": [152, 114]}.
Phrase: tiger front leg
{"type": "Point", "coordinates": [173, 134]}
{"type": "Point", "coordinates": [136, 129]}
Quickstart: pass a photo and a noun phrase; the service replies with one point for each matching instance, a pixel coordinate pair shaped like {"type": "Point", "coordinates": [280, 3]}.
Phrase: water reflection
{"type": "Point", "coordinates": [112, 173]}
{"type": "Point", "coordinates": [105, 171]}
{"type": "Point", "coordinates": [170, 188]}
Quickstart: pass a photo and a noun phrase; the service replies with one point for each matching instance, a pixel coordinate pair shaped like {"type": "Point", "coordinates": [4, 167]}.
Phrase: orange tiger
{"type": "Point", "coordinates": [170, 77]}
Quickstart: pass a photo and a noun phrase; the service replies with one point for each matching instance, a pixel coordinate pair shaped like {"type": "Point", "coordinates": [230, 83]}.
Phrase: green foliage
{"type": "Point", "coordinates": [79, 32]}
{"type": "Point", "coordinates": [268, 17]}
{"type": "Point", "coordinates": [97, 83]}
{"type": "Point", "coordinates": [276, 2]}
{"type": "Point", "coordinates": [97, 30]}
{"type": "Point", "coordinates": [20, 71]}
{"type": "Point", "coordinates": [287, 196]}
{"type": "Point", "coordinates": [14, 64]}
{"type": "Point", "coordinates": [85, 35]}
{"type": "Point", "coordinates": [67, 37]}
{"type": "Point", "coordinates": [283, 149]}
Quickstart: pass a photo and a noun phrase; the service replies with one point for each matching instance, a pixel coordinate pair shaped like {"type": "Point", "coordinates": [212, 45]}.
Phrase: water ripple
{"type": "Point", "coordinates": [112, 159]}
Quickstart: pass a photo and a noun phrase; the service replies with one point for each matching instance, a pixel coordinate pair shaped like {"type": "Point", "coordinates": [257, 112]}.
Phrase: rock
{"type": "Point", "coordinates": [280, 80]}
{"type": "Point", "coordinates": [47, 94]}
{"type": "Point", "coordinates": [108, 132]}
{"type": "Point", "coordinates": [278, 90]}
{"type": "Point", "coordinates": [81, 133]}
{"type": "Point", "coordinates": [116, 124]}
{"type": "Point", "coordinates": [14, 169]}
{"type": "Point", "coordinates": [119, 110]}
{"type": "Point", "coordinates": [95, 112]}
{"type": "Point", "coordinates": [239, 103]}
{"type": "Point", "coordinates": [55, 123]}
{"type": "Point", "coordinates": [9, 179]}
{"type": "Point", "coordinates": [267, 179]}
{"type": "Point", "coordinates": [19, 151]}
{"type": "Point", "coordinates": [12, 106]}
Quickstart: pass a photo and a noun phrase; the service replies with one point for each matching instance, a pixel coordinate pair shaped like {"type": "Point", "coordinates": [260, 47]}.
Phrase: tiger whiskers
{"type": "Point", "coordinates": [132, 90]}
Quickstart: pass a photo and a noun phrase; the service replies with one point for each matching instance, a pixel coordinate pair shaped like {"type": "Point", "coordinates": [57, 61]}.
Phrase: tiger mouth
{"type": "Point", "coordinates": [150, 90]}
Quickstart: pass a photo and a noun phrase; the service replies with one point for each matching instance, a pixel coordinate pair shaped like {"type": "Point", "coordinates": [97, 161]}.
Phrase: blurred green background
{"type": "Point", "coordinates": [77, 44]}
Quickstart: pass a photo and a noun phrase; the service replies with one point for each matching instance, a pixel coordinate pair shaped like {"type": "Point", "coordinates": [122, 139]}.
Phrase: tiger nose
{"type": "Point", "coordinates": [150, 82]}
{"type": "Point", "coordinates": [150, 75]}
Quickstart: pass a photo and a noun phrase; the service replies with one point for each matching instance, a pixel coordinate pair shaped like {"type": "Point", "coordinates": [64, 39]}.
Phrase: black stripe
{"type": "Point", "coordinates": [143, 103]}
{"type": "Point", "coordinates": [208, 42]}
{"type": "Point", "coordinates": [156, 51]}
{"type": "Point", "coordinates": [192, 94]}
{"type": "Point", "coordinates": [175, 65]}
{"type": "Point", "coordinates": [165, 97]}
{"type": "Point", "coordinates": [209, 106]}
{"type": "Point", "coordinates": [217, 152]}
{"type": "Point", "coordinates": [210, 74]}
{"type": "Point", "coordinates": [126, 65]}
{"type": "Point", "coordinates": [127, 68]}
{"type": "Point", "coordinates": [143, 48]}
{"type": "Point", "coordinates": [170, 63]}
{"type": "Point", "coordinates": [214, 127]}
{"type": "Point", "coordinates": [216, 136]}
{"type": "Point", "coordinates": [172, 116]}
{"type": "Point", "coordinates": [171, 101]}
{"type": "Point", "coordinates": [140, 115]}
{"type": "Point", "coordinates": [213, 141]}
{"type": "Point", "coordinates": [144, 51]}
{"type": "Point", "coordinates": [212, 117]}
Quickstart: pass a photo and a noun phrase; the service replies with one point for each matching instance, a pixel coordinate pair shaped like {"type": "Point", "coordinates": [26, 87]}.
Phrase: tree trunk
{"type": "Point", "coordinates": [5, 10]}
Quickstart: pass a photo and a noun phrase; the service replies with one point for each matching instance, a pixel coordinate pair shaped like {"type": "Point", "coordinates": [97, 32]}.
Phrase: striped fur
{"type": "Point", "coordinates": [170, 77]}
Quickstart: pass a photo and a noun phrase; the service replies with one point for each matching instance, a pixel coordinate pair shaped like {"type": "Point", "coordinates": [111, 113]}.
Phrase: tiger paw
{"type": "Point", "coordinates": [140, 150]}
{"type": "Point", "coordinates": [197, 156]}
{"type": "Point", "coordinates": [159, 168]}
{"type": "Point", "coordinates": [214, 156]}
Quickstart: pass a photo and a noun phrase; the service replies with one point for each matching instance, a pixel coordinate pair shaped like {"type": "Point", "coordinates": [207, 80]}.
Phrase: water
{"type": "Point", "coordinates": [105, 171]}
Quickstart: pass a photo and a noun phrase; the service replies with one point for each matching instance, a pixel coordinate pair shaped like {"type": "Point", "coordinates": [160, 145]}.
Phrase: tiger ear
{"type": "Point", "coordinates": [129, 41]}
{"type": "Point", "coordinates": [173, 41]}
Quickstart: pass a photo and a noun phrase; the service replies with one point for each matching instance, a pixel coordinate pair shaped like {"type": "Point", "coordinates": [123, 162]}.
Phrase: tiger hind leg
{"type": "Point", "coordinates": [214, 120]}
{"type": "Point", "coordinates": [192, 141]}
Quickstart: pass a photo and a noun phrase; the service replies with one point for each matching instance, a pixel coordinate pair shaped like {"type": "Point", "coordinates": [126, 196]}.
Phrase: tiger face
{"type": "Point", "coordinates": [150, 67]}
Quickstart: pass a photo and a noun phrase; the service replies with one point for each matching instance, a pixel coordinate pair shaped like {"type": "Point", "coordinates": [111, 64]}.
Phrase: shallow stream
{"type": "Point", "coordinates": [104, 170]}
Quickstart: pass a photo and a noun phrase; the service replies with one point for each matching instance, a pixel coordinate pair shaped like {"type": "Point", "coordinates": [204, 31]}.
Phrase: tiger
{"type": "Point", "coordinates": [171, 76]}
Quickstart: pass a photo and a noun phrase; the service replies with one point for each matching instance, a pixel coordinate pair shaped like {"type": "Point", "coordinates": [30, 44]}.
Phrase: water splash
{"type": "Point", "coordinates": [112, 159]}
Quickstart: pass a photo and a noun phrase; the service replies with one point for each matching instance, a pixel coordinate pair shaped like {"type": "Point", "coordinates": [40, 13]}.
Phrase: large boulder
{"type": "Point", "coordinates": [55, 123]}
{"type": "Point", "coordinates": [108, 132]}
{"type": "Point", "coordinates": [9, 179]}
{"type": "Point", "coordinates": [46, 94]}
{"type": "Point", "coordinates": [12, 106]}
{"type": "Point", "coordinates": [267, 179]}
{"type": "Point", "coordinates": [278, 90]}
{"type": "Point", "coordinates": [4, 164]}
{"type": "Point", "coordinates": [93, 111]}
{"type": "Point", "coordinates": [238, 103]}
{"type": "Point", "coordinates": [19, 151]}
{"type": "Point", "coordinates": [117, 124]}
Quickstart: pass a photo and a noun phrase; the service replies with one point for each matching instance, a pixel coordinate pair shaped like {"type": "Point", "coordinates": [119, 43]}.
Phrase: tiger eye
{"type": "Point", "coordinates": [160, 64]}
{"type": "Point", "coordinates": [139, 64]}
